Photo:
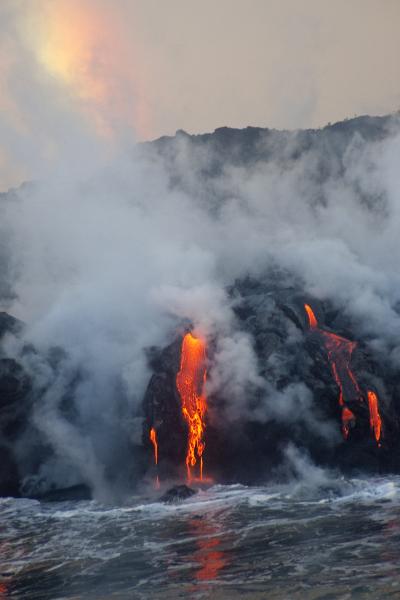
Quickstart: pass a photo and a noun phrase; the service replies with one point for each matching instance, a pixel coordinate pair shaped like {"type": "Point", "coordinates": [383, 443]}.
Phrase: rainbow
{"type": "Point", "coordinates": [85, 48]}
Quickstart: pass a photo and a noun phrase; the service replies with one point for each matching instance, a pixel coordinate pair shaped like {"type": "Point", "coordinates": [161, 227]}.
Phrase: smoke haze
{"type": "Point", "coordinates": [116, 67]}
{"type": "Point", "coordinates": [109, 265]}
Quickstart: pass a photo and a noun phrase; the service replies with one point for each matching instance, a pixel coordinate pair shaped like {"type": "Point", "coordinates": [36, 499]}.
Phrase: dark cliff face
{"type": "Point", "coordinates": [250, 446]}
{"type": "Point", "coordinates": [270, 310]}
{"type": "Point", "coordinates": [296, 398]}
{"type": "Point", "coordinates": [247, 446]}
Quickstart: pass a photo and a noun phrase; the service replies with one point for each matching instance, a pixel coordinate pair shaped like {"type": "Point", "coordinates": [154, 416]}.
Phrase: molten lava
{"type": "Point", "coordinates": [311, 317]}
{"type": "Point", "coordinates": [347, 419]}
{"type": "Point", "coordinates": [153, 439]}
{"type": "Point", "coordinates": [339, 351]}
{"type": "Point", "coordinates": [375, 420]}
{"type": "Point", "coordinates": [190, 383]}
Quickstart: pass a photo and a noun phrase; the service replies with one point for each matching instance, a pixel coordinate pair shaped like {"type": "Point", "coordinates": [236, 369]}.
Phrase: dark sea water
{"type": "Point", "coordinates": [334, 540]}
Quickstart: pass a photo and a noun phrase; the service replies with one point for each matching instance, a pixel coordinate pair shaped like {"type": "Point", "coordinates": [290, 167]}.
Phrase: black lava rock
{"type": "Point", "coordinates": [178, 493]}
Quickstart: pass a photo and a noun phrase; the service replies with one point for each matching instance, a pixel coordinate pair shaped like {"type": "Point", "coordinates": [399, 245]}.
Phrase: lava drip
{"type": "Point", "coordinates": [190, 382]}
{"type": "Point", "coordinates": [153, 439]}
{"type": "Point", "coordinates": [339, 351]}
{"type": "Point", "coordinates": [312, 320]}
{"type": "Point", "coordinates": [375, 420]}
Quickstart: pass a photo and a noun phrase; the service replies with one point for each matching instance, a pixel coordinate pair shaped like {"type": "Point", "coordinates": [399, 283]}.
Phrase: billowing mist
{"type": "Point", "coordinates": [106, 264]}
{"type": "Point", "coordinates": [110, 246]}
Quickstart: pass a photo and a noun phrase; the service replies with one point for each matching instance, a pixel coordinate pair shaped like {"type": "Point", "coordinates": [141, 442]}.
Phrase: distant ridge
{"type": "Point", "coordinates": [210, 153]}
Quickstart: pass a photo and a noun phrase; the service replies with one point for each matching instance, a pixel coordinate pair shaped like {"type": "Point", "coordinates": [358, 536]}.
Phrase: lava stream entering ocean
{"type": "Point", "coordinates": [153, 439]}
{"type": "Point", "coordinates": [374, 416]}
{"type": "Point", "coordinates": [339, 350]}
{"type": "Point", "coordinates": [190, 383]}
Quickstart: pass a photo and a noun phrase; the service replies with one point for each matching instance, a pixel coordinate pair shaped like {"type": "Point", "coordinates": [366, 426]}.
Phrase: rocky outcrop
{"type": "Point", "coordinates": [176, 494]}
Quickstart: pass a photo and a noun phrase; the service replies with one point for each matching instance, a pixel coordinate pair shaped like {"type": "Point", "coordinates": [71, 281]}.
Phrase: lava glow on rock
{"type": "Point", "coordinates": [339, 351]}
{"type": "Point", "coordinates": [153, 439]}
{"type": "Point", "coordinates": [190, 383]}
{"type": "Point", "coordinates": [374, 416]}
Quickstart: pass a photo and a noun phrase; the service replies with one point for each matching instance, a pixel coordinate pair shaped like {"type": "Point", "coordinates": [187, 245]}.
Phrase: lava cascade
{"type": "Point", "coordinates": [339, 351]}
{"type": "Point", "coordinates": [190, 383]}
{"type": "Point", "coordinates": [153, 439]}
{"type": "Point", "coordinates": [374, 416]}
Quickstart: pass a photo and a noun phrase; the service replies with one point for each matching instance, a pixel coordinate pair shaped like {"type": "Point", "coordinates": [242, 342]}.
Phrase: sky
{"type": "Point", "coordinates": [139, 69]}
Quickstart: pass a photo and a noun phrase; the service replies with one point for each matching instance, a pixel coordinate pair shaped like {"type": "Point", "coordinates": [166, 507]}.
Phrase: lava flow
{"type": "Point", "coordinates": [190, 383]}
{"type": "Point", "coordinates": [374, 416]}
{"type": "Point", "coordinates": [153, 439]}
{"type": "Point", "coordinates": [339, 351]}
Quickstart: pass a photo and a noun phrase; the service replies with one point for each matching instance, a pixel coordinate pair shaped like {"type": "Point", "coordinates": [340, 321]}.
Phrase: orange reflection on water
{"type": "Point", "coordinates": [4, 587]}
{"type": "Point", "coordinates": [209, 555]}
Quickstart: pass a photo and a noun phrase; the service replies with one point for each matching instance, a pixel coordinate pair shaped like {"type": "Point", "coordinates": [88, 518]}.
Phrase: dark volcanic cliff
{"type": "Point", "coordinates": [250, 446]}
{"type": "Point", "coordinates": [300, 388]}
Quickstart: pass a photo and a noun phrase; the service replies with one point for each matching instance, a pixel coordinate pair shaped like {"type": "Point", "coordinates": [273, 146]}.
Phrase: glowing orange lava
{"type": "Point", "coordinates": [348, 417]}
{"type": "Point", "coordinates": [311, 317]}
{"type": "Point", "coordinates": [190, 384]}
{"type": "Point", "coordinates": [375, 420]}
{"type": "Point", "coordinates": [153, 439]}
{"type": "Point", "coordinates": [339, 351]}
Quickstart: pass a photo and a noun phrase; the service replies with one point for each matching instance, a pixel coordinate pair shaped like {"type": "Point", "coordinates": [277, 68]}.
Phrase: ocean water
{"type": "Point", "coordinates": [334, 540]}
